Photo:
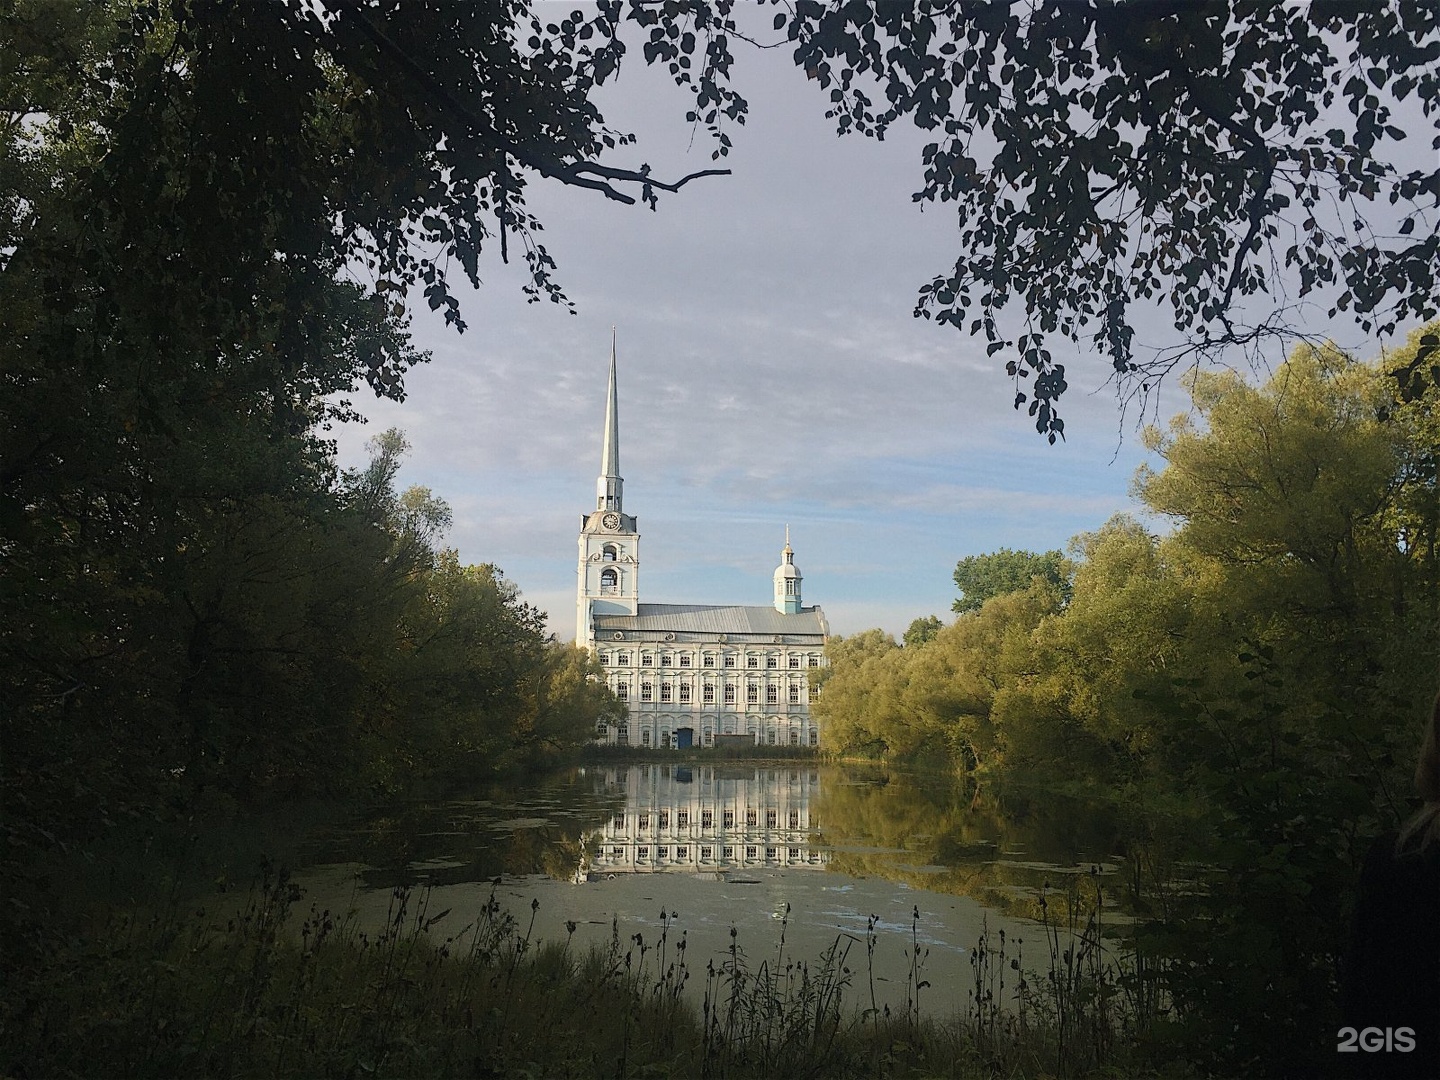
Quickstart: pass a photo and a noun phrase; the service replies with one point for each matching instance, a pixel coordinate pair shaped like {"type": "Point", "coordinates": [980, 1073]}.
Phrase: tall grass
{"type": "Point", "coordinates": [248, 993]}
{"type": "Point", "coordinates": [1091, 1008]}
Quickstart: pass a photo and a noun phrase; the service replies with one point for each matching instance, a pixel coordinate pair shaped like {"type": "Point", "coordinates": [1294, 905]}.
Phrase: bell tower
{"type": "Point", "coordinates": [609, 569]}
{"type": "Point", "coordinates": [787, 581]}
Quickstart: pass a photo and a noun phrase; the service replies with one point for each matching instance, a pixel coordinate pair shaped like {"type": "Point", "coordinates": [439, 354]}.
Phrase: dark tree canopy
{"type": "Point", "coordinates": [209, 213]}
{"type": "Point", "coordinates": [1229, 160]}
{"type": "Point", "coordinates": [396, 138]}
{"type": "Point", "coordinates": [1232, 163]}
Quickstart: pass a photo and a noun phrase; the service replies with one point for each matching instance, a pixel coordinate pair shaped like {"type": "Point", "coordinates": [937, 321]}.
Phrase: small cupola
{"type": "Point", "coordinates": [787, 581]}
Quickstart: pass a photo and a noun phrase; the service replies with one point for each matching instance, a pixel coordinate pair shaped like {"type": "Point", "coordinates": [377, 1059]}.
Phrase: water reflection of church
{"type": "Point", "coordinates": [706, 818]}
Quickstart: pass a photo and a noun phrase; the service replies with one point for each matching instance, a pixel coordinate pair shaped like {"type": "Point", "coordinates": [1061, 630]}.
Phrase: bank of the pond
{"type": "Point", "coordinates": [267, 990]}
{"type": "Point", "coordinates": [209, 841]}
{"type": "Point", "coordinates": [220, 985]}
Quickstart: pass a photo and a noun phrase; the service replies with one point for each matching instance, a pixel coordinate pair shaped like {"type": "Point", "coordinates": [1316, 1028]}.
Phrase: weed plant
{"type": "Point", "coordinates": [195, 993]}
{"type": "Point", "coordinates": [1092, 1009]}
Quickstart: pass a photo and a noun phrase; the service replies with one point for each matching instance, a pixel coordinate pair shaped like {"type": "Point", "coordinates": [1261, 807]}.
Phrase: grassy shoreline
{"type": "Point", "coordinates": [130, 975]}
{"type": "Point", "coordinates": [266, 989]}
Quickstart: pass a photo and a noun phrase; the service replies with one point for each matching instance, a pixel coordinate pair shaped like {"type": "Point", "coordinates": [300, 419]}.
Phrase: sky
{"type": "Point", "coordinates": [770, 374]}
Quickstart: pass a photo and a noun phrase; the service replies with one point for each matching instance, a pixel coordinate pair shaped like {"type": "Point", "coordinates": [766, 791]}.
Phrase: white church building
{"type": "Point", "coordinates": [690, 672]}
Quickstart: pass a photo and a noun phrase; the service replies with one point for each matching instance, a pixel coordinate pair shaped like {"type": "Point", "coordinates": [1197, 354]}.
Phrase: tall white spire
{"type": "Point", "coordinates": [609, 487]}
{"type": "Point", "coordinates": [608, 581]}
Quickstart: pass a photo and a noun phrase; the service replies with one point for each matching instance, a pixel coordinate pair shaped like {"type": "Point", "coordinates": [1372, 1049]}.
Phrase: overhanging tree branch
{"type": "Point", "coordinates": [571, 173]}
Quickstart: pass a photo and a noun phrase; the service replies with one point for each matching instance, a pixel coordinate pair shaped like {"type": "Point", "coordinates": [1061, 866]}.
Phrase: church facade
{"type": "Point", "coordinates": [690, 673]}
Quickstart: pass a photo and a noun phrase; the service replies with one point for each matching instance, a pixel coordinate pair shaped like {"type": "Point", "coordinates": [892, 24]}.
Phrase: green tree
{"type": "Point", "coordinates": [1072, 715]}
{"type": "Point", "coordinates": [980, 577]}
{"type": "Point", "coordinates": [573, 700]}
{"type": "Point", "coordinates": [1289, 492]}
{"type": "Point", "coordinates": [185, 193]}
{"type": "Point", "coordinates": [1247, 688]}
{"type": "Point", "coordinates": [957, 682]}
{"type": "Point", "coordinates": [1412, 379]}
{"type": "Point", "coordinates": [857, 693]}
{"type": "Point", "coordinates": [1297, 680]}
{"type": "Point", "coordinates": [922, 630]}
{"type": "Point", "coordinates": [933, 704]}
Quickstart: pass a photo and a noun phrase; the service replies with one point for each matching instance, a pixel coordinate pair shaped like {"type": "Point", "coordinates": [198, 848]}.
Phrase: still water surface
{"type": "Point", "coordinates": [825, 852]}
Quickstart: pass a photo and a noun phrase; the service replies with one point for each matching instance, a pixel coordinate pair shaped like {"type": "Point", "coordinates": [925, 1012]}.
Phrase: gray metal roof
{"type": "Point", "coordinates": [707, 619]}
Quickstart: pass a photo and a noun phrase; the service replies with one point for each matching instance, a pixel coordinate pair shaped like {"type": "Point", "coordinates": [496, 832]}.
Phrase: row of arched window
{"type": "Point", "coordinates": [708, 659]}
{"type": "Point", "coordinates": [712, 693]}
{"type": "Point", "coordinates": [706, 818]}
{"type": "Point", "coordinates": [766, 735]}
{"type": "Point", "coordinates": [623, 854]}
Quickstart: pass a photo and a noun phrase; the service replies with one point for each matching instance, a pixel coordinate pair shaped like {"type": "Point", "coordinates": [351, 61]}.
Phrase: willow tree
{"type": "Point", "coordinates": [1293, 712]}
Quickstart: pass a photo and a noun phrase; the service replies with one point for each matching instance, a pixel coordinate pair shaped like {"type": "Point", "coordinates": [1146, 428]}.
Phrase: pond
{"type": "Point", "coordinates": [904, 870]}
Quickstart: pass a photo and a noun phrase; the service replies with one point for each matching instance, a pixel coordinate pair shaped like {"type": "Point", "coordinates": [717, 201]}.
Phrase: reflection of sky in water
{"type": "Point", "coordinates": [870, 846]}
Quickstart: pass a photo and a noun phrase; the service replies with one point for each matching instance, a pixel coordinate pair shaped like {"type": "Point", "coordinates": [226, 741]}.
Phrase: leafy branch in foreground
{"type": "Point", "coordinates": [1231, 162]}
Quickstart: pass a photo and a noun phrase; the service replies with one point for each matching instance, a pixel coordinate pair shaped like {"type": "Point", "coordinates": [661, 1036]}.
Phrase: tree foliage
{"type": "Point", "coordinates": [980, 577]}
{"type": "Point", "coordinates": [1229, 161]}
{"type": "Point", "coordinates": [1305, 523]}
{"type": "Point", "coordinates": [209, 217]}
{"type": "Point", "coordinates": [304, 638]}
{"type": "Point", "coordinates": [1255, 678]}
{"type": "Point", "coordinates": [922, 630]}
{"type": "Point", "coordinates": [856, 692]}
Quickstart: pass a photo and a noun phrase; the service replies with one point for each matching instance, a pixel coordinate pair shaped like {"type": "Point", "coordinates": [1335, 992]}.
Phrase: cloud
{"type": "Point", "coordinates": [770, 372]}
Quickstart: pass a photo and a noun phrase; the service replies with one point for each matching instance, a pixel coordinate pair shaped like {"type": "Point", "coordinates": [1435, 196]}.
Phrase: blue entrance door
{"type": "Point", "coordinates": [684, 738]}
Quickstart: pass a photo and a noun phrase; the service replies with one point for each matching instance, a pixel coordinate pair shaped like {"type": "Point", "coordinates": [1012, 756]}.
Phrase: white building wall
{"type": "Point", "coordinates": [608, 572]}
{"type": "Point", "coordinates": [761, 689]}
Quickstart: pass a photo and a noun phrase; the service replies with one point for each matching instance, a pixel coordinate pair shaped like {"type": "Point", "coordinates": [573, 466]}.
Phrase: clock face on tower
{"type": "Point", "coordinates": [611, 521]}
